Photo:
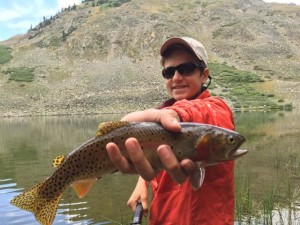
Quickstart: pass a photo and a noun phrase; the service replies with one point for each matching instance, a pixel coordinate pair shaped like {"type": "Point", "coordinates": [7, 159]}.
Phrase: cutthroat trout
{"type": "Point", "coordinates": [81, 167]}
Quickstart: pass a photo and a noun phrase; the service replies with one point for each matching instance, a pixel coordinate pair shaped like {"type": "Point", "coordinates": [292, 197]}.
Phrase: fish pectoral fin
{"type": "Point", "coordinates": [82, 187]}
{"type": "Point", "coordinates": [106, 127]}
{"type": "Point", "coordinates": [58, 160]}
{"type": "Point", "coordinates": [203, 140]}
{"type": "Point", "coordinates": [43, 208]}
{"type": "Point", "coordinates": [197, 178]}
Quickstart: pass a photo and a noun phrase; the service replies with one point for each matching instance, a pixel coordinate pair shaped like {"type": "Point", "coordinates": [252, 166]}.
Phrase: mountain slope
{"type": "Point", "coordinates": [94, 59]}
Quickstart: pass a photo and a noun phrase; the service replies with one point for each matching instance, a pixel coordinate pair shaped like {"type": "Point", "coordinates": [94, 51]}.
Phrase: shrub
{"type": "Point", "coordinates": [112, 3]}
{"type": "Point", "coordinates": [24, 74]}
{"type": "Point", "coordinates": [5, 55]}
{"type": "Point", "coordinates": [236, 85]}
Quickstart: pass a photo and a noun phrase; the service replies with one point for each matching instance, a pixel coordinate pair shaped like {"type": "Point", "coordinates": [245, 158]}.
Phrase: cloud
{"type": "Point", "coordinates": [7, 14]}
{"type": "Point", "coordinates": [24, 24]}
{"type": "Point", "coordinates": [14, 11]}
{"type": "Point", "coordinates": [19, 15]}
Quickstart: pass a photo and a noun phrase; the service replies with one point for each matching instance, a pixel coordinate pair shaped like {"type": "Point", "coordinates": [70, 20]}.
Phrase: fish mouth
{"type": "Point", "coordinates": [236, 152]}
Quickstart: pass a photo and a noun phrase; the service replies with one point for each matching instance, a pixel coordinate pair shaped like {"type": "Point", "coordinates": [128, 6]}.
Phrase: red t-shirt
{"type": "Point", "coordinates": [213, 203]}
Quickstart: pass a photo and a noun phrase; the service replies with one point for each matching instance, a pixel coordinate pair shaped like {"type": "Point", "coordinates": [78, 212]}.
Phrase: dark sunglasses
{"type": "Point", "coordinates": [185, 69]}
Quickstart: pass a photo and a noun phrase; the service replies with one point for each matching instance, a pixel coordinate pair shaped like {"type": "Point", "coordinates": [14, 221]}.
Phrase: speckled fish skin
{"type": "Point", "coordinates": [90, 160]}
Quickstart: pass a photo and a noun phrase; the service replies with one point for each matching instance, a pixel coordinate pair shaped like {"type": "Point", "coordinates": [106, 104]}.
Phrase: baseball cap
{"type": "Point", "coordinates": [191, 43]}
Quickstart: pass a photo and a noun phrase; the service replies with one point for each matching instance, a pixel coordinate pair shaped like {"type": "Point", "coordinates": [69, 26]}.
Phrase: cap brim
{"type": "Point", "coordinates": [173, 41]}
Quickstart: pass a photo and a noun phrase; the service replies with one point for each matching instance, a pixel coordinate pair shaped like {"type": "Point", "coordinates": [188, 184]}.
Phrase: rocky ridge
{"type": "Point", "coordinates": [109, 61]}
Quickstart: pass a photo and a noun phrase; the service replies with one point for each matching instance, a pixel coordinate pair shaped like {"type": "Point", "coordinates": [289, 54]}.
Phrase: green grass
{"type": "Point", "coordinates": [237, 86]}
{"type": "Point", "coordinates": [230, 24]}
{"type": "Point", "coordinates": [20, 74]}
{"type": "Point", "coordinates": [5, 55]}
{"type": "Point", "coordinates": [268, 205]}
{"type": "Point", "coordinates": [250, 210]}
{"type": "Point", "coordinates": [243, 200]}
{"type": "Point", "coordinates": [110, 3]}
{"type": "Point", "coordinates": [217, 33]}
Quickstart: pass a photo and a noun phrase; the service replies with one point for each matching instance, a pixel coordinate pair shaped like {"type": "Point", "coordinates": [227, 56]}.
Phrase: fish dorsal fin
{"type": "Point", "coordinates": [58, 160]}
{"type": "Point", "coordinates": [82, 187]}
{"type": "Point", "coordinates": [106, 127]}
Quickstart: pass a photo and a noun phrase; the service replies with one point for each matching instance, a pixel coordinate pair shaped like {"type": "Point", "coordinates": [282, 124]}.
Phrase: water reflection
{"type": "Point", "coordinates": [267, 179]}
{"type": "Point", "coordinates": [27, 148]}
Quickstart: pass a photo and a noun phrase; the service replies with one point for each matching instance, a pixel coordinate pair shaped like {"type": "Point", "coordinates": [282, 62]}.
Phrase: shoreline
{"type": "Point", "coordinates": [61, 114]}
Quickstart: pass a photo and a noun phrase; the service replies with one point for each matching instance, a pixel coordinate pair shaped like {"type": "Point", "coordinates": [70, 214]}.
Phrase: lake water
{"type": "Point", "coordinates": [267, 178]}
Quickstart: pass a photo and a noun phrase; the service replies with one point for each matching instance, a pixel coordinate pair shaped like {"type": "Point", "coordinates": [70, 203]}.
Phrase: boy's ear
{"type": "Point", "coordinates": [205, 74]}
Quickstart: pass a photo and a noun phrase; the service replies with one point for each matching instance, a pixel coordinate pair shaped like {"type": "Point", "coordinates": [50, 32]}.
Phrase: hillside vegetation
{"type": "Point", "coordinates": [103, 56]}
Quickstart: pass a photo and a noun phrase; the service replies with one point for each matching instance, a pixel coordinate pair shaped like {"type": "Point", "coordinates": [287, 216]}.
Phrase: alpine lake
{"type": "Point", "coordinates": [267, 178]}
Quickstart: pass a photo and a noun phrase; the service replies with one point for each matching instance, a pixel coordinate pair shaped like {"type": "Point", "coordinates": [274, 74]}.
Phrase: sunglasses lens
{"type": "Point", "coordinates": [186, 68]}
{"type": "Point", "coordinates": [168, 72]}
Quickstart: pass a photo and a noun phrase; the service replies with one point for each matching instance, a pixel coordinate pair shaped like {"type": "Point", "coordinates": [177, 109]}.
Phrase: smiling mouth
{"type": "Point", "coordinates": [180, 87]}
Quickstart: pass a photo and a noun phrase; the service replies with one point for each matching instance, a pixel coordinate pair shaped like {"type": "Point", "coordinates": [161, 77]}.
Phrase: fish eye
{"type": "Point", "coordinates": [230, 139]}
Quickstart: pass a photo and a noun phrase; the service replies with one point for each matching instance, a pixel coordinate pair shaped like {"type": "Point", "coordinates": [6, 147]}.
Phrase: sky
{"type": "Point", "coordinates": [17, 16]}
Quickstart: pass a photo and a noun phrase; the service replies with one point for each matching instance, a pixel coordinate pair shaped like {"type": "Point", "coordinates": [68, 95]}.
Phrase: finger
{"type": "Point", "coordinates": [170, 120]}
{"type": "Point", "coordinates": [118, 159]}
{"type": "Point", "coordinates": [145, 208]}
{"type": "Point", "coordinates": [132, 203]}
{"type": "Point", "coordinates": [171, 164]}
{"type": "Point", "coordinates": [139, 160]}
{"type": "Point", "coordinates": [144, 202]}
{"type": "Point", "coordinates": [188, 166]}
{"type": "Point", "coordinates": [171, 124]}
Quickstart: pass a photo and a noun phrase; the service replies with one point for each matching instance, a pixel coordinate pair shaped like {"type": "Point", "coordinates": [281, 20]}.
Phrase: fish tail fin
{"type": "Point", "coordinates": [43, 208]}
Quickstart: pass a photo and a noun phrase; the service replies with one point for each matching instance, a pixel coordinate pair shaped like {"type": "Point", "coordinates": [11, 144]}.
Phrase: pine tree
{"type": "Point", "coordinates": [64, 36]}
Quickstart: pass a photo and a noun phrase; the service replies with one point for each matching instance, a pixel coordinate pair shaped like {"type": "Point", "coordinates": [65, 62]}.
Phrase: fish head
{"type": "Point", "coordinates": [216, 144]}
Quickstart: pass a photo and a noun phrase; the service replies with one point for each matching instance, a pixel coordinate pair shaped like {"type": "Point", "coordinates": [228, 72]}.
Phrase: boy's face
{"type": "Point", "coordinates": [184, 87]}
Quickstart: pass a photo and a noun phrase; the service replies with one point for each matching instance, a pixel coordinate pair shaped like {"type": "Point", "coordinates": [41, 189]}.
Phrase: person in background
{"type": "Point", "coordinates": [175, 198]}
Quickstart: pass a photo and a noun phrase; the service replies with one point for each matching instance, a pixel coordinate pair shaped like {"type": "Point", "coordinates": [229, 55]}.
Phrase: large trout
{"type": "Point", "coordinates": [81, 167]}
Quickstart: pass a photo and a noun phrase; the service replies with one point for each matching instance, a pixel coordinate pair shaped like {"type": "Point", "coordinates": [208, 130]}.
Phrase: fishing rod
{"type": "Point", "coordinates": [138, 214]}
